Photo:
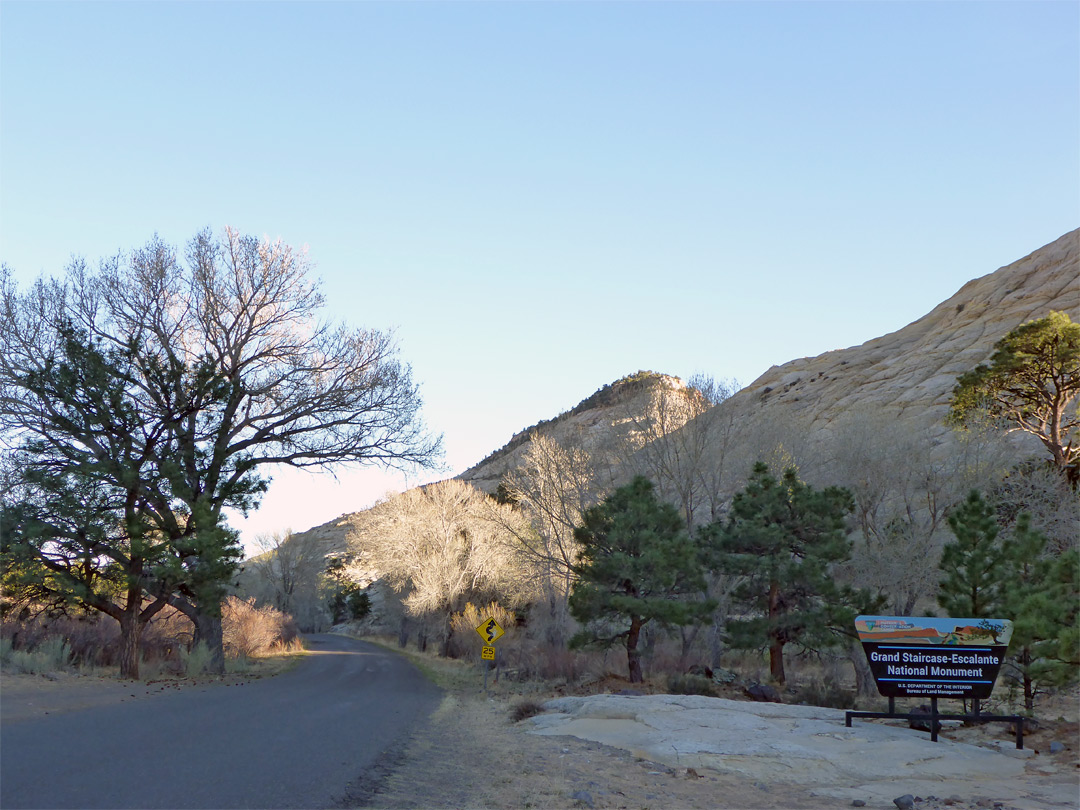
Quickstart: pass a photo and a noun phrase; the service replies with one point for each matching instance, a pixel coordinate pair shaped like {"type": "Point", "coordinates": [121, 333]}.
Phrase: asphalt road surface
{"type": "Point", "coordinates": [305, 738]}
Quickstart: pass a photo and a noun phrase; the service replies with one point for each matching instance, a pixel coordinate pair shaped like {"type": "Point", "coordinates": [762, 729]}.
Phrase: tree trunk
{"type": "Point", "coordinates": [1029, 686]}
{"type": "Point", "coordinates": [633, 657]}
{"type": "Point", "coordinates": [208, 630]}
{"type": "Point", "coordinates": [776, 661]}
{"type": "Point", "coordinates": [716, 643]}
{"type": "Point", "coordinates": [403, 632]}
{"type": "Point", "coordinates": [776, 644]}
{"type": "Point", "coordinates": [865, 686]}
{"type": "Point", "coordinates": [448, 635]}
{"type": "Point", "coordinates": [687, 637]}
{"type": "Point", "coordinates": [130, 634]}
{"type": "Point", "coordinates": [555, 632]}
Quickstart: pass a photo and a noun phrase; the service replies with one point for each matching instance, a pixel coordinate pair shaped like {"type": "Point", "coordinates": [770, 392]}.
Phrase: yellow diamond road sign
{"type": "Point", "coordinates": [490, 631]}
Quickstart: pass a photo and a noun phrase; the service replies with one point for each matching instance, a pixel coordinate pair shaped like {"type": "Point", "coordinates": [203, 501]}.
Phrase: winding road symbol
{"type": "Point", "coordinates": [490, 631]}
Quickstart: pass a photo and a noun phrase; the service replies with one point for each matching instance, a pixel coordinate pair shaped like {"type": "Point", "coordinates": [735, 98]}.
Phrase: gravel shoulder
{"type": "Point", "coordinates": [23, 697]}
{"type": "Point", "coordinates": [471, 755]}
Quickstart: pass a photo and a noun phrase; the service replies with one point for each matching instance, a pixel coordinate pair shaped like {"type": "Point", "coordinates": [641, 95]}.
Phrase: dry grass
{"type": "Point", "coordinates": [250, 631]}
{"type": "Point", "coordinates": [258, 642]}
{"type": "Point", "coordinates": [524, 709]}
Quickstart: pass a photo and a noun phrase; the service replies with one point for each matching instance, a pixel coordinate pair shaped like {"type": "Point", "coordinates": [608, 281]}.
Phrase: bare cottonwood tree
{"type": "Point", "coordinates": [903, 491]}
{"type": "Point", "coordinates": [226, 360]}
{"type": "Point", "coordinates": [444, 545]}
{"type": "Point", "coordinates": [686, 445]}
{"type": "Point", "coordinates": [719, 432]}
{"type": "Point", "coordinates": [289, 571]}
{"type": "Point", "coordinates": [554, 484]}
{"type": "Point", "coordinates": [1046, 496]}
{"type": "Point", "coordinates": [673, 443]}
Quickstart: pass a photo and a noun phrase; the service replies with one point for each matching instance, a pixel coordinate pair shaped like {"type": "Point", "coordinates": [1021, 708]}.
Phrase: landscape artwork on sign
{"type": "Point", "coordinates": [932, 630]}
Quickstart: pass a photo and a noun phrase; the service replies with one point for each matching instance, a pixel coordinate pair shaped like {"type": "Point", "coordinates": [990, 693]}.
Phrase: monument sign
{"type": "Point", "coordinates": [931, 657]}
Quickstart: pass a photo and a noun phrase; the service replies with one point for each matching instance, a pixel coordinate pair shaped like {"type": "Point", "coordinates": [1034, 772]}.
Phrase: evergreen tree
{"type": "Point", "coordinates": [1032, 381]}
{"type": "Point", "coordinates": [781, 537]}
{"type": "Point", "coordinates": [225, 366]}
{"type": "Point", "coordinates": [1066, 649]}
{"type": "Point", "coordinates": [1040, 596]}
{"type": "Point", "coordinates": [75, 527]}
{"type": "Point", "coordinates": [987, 575]}
{"type": "Point", "coordinates": [975, 565]}
{"type": "Point", "coordinates": [637, 563]}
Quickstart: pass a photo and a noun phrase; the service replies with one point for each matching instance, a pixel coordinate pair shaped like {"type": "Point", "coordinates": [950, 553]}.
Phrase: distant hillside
{"type": "Point", "coordinates": [911, 372]}
{"type": "Point", "coordinates": [592, 423]}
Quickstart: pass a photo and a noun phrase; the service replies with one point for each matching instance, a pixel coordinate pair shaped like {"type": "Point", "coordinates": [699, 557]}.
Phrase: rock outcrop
{"type": "Point", "coordinates": [912, 371]}
{"type": "Point", "coordinates": [596, 422]}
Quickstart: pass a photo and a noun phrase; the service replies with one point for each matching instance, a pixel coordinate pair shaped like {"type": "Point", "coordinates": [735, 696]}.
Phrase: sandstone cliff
{"type": "Point", "coordinates": [594, 423]}
{"type": "Point", "coordinates": [912, 371]}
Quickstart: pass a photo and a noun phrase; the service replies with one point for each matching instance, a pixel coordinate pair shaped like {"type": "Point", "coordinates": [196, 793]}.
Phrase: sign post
{"type": "Point", "coordinates": [490, 632]}
{"type": "Point", "coordinates": [928, 657]}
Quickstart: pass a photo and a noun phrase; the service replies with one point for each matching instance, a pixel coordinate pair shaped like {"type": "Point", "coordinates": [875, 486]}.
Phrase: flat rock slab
{"type": "Point", "coordinates": [804, 745]}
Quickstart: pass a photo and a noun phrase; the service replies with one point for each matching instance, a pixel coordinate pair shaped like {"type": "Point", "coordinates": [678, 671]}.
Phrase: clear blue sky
{"type": "Point", "coordinates": [542, 197]}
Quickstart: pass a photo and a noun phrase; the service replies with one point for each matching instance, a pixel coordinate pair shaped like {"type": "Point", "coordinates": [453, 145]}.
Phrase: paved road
{"type": "Point", "coordinates": [296, 740]}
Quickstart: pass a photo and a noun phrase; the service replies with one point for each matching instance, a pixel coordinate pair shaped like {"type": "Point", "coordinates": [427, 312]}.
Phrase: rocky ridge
{"type": "Point", "coordinates": [913, 370]}
{"type": "Point", "coordinates": [595, 422]}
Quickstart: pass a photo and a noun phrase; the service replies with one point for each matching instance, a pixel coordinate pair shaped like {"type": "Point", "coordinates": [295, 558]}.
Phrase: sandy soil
{"type": "Point", "coordinates": [471, 755]}
{"type": "Point", "coordinates": [24, 696]}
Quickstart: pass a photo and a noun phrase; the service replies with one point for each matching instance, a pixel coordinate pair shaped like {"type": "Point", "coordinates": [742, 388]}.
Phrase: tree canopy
{"type": "Point", "coordinates": [175, 382]}
{"type": "Point", "coordinates": [974, 566]}
{"type": "Point", "coordinates": [637, 564]}
{"type": "Point", "coordinates": [1032, 381]}
{"type": "Point", "coordinates": [781, 537]}
{"type": "Point", "coordinates": [445, 545]}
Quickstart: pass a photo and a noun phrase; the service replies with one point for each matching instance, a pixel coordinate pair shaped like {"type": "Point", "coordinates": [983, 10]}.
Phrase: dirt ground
{"type": "Point", "coordinates": [24, 696]}
{"type": "Point", "coordinates": [472, 755]}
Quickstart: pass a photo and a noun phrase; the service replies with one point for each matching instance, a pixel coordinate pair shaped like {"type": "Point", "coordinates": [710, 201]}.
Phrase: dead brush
{"type": "Point", "coordinates": [465, 642]}
{"type": "Point", "coordinates": [524, 709]}
{"type": "Point", "coordinates": [251, 631]}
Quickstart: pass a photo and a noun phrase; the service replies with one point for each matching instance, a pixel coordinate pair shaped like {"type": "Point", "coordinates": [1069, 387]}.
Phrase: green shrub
{"type": "Point", "coordinates": [690, 685]}
{"type": "Point", "coordinates": [359, 604]}
{"type": "Point", "coordinates": [827, 693]}
{"type": "Point", "coordinates": [51, 655]}
{"type": "Point", "coordinates": [196, 660]}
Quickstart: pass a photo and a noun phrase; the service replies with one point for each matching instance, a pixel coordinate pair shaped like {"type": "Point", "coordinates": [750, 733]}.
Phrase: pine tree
{"type": "Point", "coordinates": [782, 537]}
{"type": "Point", "coordinates": [1040, 596]}
{"type": "Point", "coordinates": [1032, 380]}
{"type": "Point", "coordinates": [637, 564]}
{"type": "Point", "coordinates": [975, 564]}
